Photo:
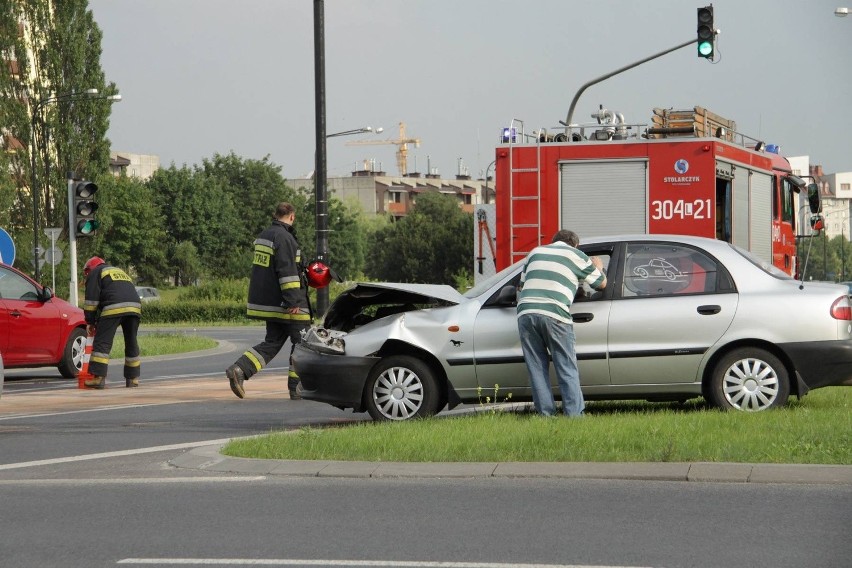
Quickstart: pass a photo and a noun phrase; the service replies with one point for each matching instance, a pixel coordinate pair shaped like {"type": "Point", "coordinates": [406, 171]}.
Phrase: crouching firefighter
{"type": "Point", "coordinates": [111, 301]}
{"type": "Point", "coordinates": [278, 295]}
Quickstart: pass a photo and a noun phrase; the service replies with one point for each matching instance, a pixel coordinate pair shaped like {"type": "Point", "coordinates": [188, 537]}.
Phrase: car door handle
{"type": "Point", "coordinates": [709, 310]}
{"type": "Point", "coordinates": [582, 318]}
{"type": "Point", "coordinates": [15, 314]}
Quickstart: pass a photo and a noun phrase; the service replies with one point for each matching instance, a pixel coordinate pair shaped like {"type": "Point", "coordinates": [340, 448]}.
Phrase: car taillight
{"type": "Point", "coordinates": [841, 309]}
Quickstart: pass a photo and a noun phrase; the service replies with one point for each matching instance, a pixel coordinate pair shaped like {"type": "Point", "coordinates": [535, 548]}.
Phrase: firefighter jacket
{"type": "Point", "coordinates": [110, 294]}
{"type": "Point", "coordinates": [277, 277]}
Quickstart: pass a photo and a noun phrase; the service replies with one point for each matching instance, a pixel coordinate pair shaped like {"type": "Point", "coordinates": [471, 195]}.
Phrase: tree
{"type": "Point", "coordinates": [70, 135]}
{"type": "Point", "coordinates": [433, 244]}
{"type": "Point", "coordinates": [256, 188]}
{"type": "Point", "coordinates": [132, 233]}
{"type": "Point", "coordinates": [198, 209]}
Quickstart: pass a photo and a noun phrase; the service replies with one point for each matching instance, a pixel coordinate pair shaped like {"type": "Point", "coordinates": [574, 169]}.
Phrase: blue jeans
{"type": "Point", "coordinates": [542, 334]}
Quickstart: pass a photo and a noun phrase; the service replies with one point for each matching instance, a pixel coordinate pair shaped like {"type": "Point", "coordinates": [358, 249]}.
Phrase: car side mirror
{"type": "Point", "coordinates": [46, 294]}
{"type": "Point", "coordinates": [508, 296]}
{"type": "Point", "coordinates": [813, 198]}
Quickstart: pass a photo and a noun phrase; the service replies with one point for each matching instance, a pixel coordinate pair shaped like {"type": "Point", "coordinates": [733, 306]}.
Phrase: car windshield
{"type": "Point", "coordinates": [485, 285]}
{"type": "Point", "coordinates": [764, 265]}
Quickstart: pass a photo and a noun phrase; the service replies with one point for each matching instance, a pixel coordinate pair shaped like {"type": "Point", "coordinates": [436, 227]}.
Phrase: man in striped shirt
{"type": "Point", "coordinates": [550, 279]}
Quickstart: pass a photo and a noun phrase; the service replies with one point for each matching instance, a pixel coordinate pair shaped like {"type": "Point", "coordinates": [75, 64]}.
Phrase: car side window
{"type": "Point", "coordinates": [13, 287]}
{"type": "Point", "coordinates": [586, 293]}
{"type": "Point", "coordinates": [664, 269]}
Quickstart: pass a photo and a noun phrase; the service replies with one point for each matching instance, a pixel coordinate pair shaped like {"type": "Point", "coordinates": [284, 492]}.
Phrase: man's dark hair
{"type": "Point", "coordinates": [568, 237]}
{"type": "Point", "coordinates": [284, 209]}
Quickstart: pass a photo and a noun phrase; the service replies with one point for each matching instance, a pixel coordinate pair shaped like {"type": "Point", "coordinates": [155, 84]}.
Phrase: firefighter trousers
{"type": "Point", "coordinates": [102, 345]}
{"type": "Point", "coordinates": [277, 334]}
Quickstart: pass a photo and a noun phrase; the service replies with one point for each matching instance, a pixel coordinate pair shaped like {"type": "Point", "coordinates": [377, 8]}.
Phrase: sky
{"type": "Point", "coordinates": [206, 77]}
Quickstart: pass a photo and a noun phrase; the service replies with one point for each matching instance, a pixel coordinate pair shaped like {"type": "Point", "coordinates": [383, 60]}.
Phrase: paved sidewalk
{"type": "Point", "coordinates": [209, 458]}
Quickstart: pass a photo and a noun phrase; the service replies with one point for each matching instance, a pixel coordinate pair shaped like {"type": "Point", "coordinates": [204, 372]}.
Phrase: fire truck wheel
{"type": "Point", "coordinates": [749, 379]}
{"type": "Point", "coordinates": [401, 387]}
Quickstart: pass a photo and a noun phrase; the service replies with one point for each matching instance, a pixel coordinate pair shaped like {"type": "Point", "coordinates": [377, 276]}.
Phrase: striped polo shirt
{"type": "Point", "coordinates": [550, 278]}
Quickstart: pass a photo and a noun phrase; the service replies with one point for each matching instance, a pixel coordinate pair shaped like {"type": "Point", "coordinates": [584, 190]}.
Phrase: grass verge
{"type": "Point", "coordinates": [151, 344]}
{"type": "Point", "coordinates": [813, 430]}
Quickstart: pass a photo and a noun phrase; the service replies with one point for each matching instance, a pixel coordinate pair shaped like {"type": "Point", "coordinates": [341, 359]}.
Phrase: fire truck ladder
{"type": "Point", "coordinates": [484, 234]}
{"type": "Point", "coordinates": [517, 201]}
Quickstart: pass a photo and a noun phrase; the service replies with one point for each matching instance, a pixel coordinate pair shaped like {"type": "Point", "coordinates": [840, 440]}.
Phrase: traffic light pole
{"type": "Point", "coordinates": [72, 241]}
{"type": "Point", "coordinates": [568, 123]}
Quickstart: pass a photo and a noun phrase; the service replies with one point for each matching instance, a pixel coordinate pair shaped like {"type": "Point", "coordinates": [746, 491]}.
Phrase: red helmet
{"type": "Point", "coordinates": [91, 264]}
{"type": "Point", "coordinates": [319, 275]}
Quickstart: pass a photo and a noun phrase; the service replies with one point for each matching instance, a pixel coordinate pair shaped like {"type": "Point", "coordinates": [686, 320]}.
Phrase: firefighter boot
{"type": "Point", "coordinates": [295, 387]}
{"type": "Point", "coordinates": [95, 382]}
{"type": "Point", "coordinates": [236, 376]}
{"type": "Point", "coordinates": [131, 383]}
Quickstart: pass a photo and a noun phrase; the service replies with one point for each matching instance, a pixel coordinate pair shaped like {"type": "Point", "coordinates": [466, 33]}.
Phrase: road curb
{"type": "Point", "coordinates": [210, 458]}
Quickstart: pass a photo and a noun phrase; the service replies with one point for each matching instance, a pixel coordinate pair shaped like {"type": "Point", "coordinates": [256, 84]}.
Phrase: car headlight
{"type": "Point", "coordinates": [324, 341]}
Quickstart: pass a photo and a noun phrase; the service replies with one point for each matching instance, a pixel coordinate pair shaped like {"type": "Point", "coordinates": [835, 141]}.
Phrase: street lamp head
{"type": "Point", "coordinates": [379, 130]}
{"type": "Point", "coordinates": [841, 12]}
{"type": "Point", "coordinates": [114, 98]}
{"type": "Point", "coordinates": [90, 92]}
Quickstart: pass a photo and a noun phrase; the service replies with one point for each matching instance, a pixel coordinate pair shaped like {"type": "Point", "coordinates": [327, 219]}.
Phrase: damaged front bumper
{"type": "Point", "coordinates": [335, 379]}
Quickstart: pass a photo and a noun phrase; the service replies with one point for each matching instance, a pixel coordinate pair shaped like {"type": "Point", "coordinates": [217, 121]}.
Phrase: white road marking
{"type": "Point", "coordinates": [100, 409]}
{"type": "Point", "coordinates": [129, 480]}
{"type": "Point", "coordinates": [316, 562]}
{"type": "Point", "coordinates": [115, 454]}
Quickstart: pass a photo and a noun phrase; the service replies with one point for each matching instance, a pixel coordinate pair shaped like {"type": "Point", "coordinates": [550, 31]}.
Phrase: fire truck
{"type": "Point", "coordinates": [687, 172]}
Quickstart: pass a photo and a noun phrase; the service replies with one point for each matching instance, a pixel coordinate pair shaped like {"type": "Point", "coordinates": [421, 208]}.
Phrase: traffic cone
{"type": "Point", "coordinates": [85, 375]}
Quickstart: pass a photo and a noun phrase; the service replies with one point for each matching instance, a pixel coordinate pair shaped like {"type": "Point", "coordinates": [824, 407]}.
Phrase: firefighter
{"type": "Point", "coordinates": [111, 300]}
{"type": "Point", "coordinates": [278, 295]}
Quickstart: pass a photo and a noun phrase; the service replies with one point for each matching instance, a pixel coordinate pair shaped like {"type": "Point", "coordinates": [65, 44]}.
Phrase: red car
{"type": "Point", "coordinates": [37, 329]}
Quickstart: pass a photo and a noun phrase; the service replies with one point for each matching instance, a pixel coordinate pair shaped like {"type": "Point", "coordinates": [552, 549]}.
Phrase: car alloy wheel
{"type": "Point", "coordinates": [401, 388]}
{"type": "Point", "coordinates": [750, 380]}
{"type": "Point", "coordinates": [72, 357]}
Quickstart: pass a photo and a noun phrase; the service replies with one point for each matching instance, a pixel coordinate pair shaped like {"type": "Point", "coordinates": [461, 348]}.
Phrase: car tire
{"type": "Point", "coordinates": [749, 379]}
{"type": "Point", "coordinates": [401, 387]}
{"type": "Point", "coordinates": [72, 357]}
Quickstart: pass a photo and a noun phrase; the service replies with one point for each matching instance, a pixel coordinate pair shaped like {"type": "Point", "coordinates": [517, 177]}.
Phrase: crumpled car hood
{"type": "Point", "coordinates": [376, 306]}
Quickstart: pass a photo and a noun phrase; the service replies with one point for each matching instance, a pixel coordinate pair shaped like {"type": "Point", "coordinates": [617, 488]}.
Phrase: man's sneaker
{"type": "Point", "coordinates": [236, 377]}
{"type": "Point", "coordinates": [296, 393]}
{"type": "Point", "coordinates": [131, 383]}
{"type": "Point", "coordinates": [95, 383]}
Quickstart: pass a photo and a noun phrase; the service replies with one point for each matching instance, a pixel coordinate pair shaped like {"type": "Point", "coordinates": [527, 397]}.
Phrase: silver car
{"type": "Point", "coordinates": [724, 325]}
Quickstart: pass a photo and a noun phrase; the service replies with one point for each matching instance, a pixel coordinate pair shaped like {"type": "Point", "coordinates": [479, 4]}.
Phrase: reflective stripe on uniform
{"type": "Point", "coordinates": [121, 309]}
{"type": "Point", "coordinates": [255, 358]}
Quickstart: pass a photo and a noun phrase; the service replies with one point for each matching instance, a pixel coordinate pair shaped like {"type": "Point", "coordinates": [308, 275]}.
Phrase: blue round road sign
{"type": "Point", "coordinates": [7, 248]}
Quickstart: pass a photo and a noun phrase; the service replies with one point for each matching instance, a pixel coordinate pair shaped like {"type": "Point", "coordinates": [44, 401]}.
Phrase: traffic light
{"type": "Point", "coordinates": [817, 223]}
{"type": "Point", "coordinates": [85, 223]}
{"type": "Point", "coordinates": [706, 32]}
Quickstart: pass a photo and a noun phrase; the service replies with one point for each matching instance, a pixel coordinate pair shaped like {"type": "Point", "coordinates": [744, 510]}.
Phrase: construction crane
{"type": "Point", "coordinates": [401, 152]}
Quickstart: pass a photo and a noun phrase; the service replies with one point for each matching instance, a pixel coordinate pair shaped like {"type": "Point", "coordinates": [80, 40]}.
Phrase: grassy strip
{"type": "Point", "coordinates": [814, 430]}
{"type": "Point", "coordinates": [163, 344]}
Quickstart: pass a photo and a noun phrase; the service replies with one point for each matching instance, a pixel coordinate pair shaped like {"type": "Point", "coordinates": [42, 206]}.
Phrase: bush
{"type": "Point", "coordinates": [211, 311]}
{"type": "Point", "coordinates": [235, 290]}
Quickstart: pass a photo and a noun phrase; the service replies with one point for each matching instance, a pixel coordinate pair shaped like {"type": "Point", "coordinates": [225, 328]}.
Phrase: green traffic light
{"type": "Point", "coordinates": [88, 226]}
{"type": "Point", "coordinates": [705, 49]}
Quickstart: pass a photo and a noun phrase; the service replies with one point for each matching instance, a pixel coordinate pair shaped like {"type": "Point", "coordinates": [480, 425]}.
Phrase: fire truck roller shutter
{"type": "Point", "coordinates": [753, 193]}
{"type": "Point", "coordinates": [598, 196]}
{"type": "Point", "coordinates": [761, 216]}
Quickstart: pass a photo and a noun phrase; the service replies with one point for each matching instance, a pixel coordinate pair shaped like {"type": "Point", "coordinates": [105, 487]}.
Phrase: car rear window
{"type": "Point", "coordinates": [764, 265]}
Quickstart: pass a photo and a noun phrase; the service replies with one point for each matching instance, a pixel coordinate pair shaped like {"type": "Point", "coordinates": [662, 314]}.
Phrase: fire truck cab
{"type": "Point", "coordinates": [687, 172]}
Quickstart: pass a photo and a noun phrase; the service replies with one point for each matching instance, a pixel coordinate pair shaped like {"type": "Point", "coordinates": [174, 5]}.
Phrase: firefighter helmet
{"type": "Point", "coordinates": [92, 263]}
{"type": "Point", "coordinates": [319, 275]}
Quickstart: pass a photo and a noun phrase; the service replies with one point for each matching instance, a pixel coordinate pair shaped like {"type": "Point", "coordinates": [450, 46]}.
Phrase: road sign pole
{"type": "Point", "coordinates": [72, 241]}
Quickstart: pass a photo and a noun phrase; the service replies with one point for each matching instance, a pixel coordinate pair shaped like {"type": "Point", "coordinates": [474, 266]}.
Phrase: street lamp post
{"type": "Point", "coordinates": [36, 120]}
{"type": "Point", "coordinates": [321, 193]}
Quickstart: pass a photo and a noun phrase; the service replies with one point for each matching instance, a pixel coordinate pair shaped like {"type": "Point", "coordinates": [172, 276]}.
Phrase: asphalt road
{"type": "Point", "coordinates": [87, 478]}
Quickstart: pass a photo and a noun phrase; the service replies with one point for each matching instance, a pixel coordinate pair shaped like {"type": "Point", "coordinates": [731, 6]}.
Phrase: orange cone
{"type": "Point", "coordinates": [85, 375]}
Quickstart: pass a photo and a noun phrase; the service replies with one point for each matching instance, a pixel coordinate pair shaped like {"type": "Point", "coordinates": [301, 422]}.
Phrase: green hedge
{"type": "Point", "coordinates": [211, 311]}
